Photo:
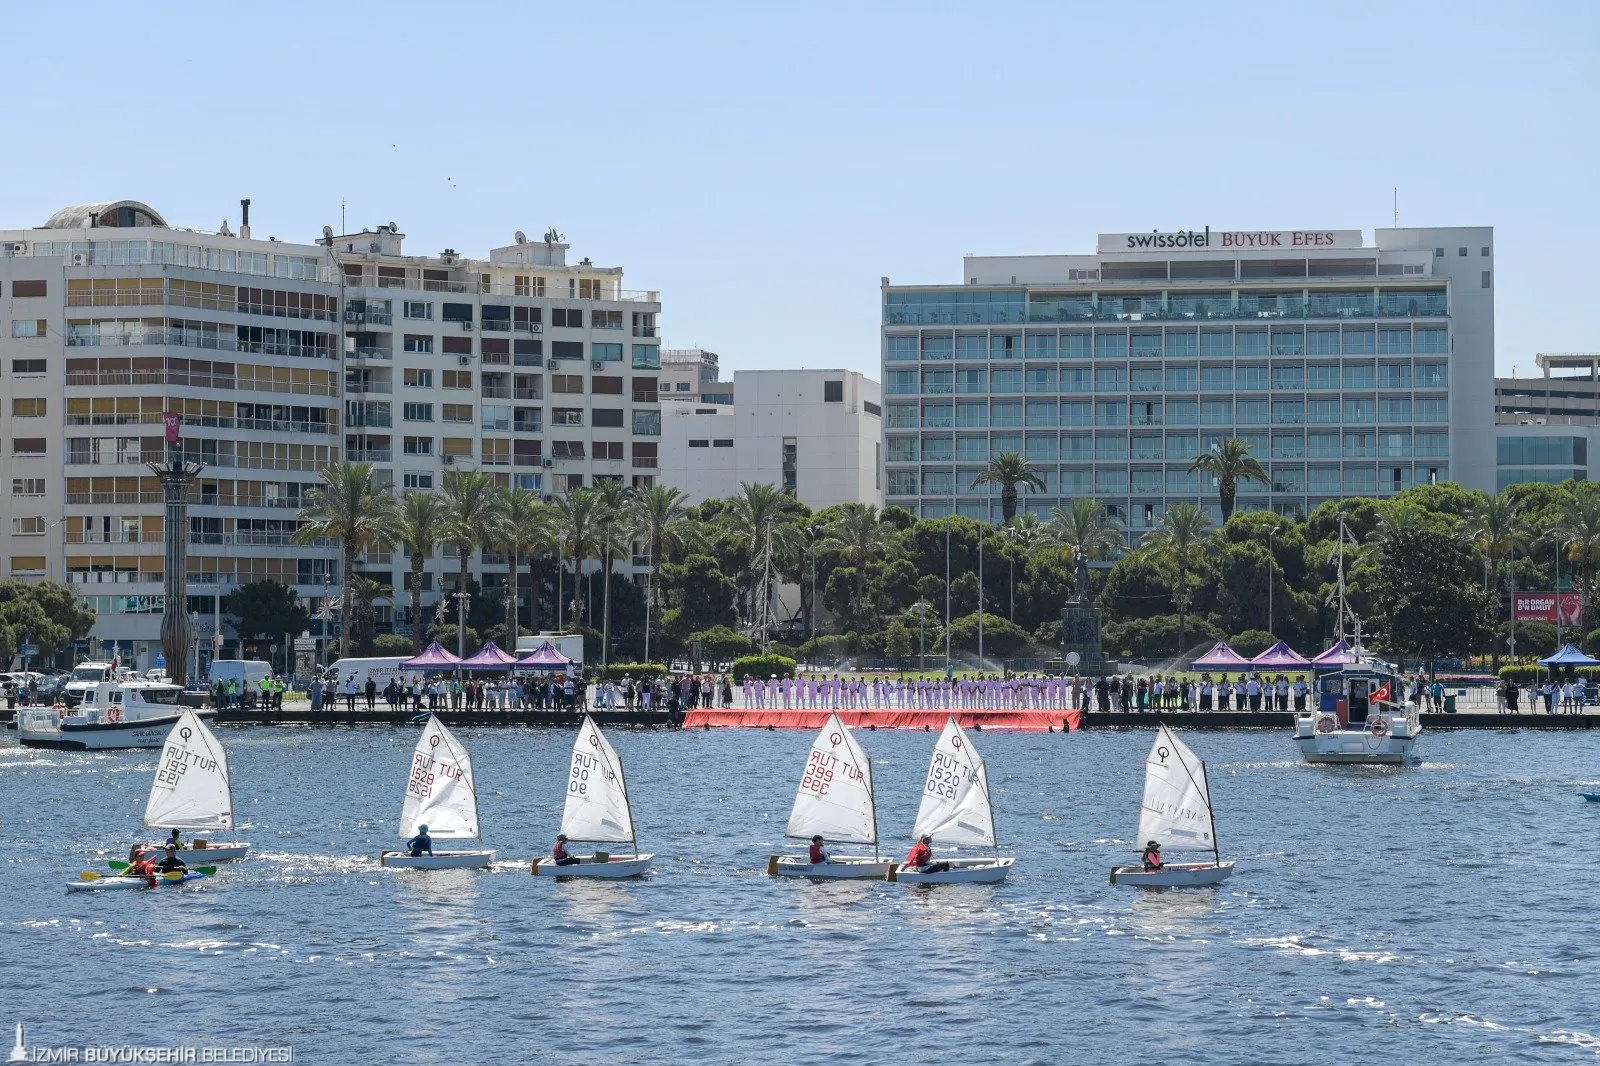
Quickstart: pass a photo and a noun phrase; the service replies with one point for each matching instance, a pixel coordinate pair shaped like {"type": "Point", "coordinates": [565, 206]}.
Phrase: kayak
{"type": "Point", "coordinates": [99, 883]}
{"type": "Point", "coordinates": [1592, 797]}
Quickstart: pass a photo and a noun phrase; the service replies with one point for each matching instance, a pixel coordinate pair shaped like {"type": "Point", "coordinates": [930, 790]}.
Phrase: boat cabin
{"type": "Point", "coordinates": [1350, 693]}
{"type": "Point", "coordinates": [129, 694]}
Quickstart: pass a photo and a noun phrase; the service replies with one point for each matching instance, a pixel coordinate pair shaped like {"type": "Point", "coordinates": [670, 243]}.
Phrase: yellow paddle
{"type": "Point", "coordinates": [89, 875]}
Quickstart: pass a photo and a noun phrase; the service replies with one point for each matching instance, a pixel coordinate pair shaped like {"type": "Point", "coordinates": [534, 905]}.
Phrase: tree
{"type": "Point", "coordinates": [663, 523]}
{"type": "Point", "coordinates": [49, 615]}
{"type": "Point", "coordinates": [469, 509]}
{"type": "Point", "coordinates": [859, 536]}
{"type": "Point", "coordinates": [415, 527]}
{"type": "Point", "coordinates": [1083, 527]}
{"type": "Point", "coordinates": [1431, 604]}
{"type": "Point", "coordinates": [1011, 472]}
{"type": "Point", "coordinates": [897, 640]}
{"type": "Point", "coordinates": [1577, 532]}
{"type": "Point", "coordinates": [349, 507]}
{"type": "Point", "coordinates": [365, 593]}
{"type": "Point", "coordinates": [1001, 636]}
{"type": "Point", "coordinates": [265, 612]}
{"type": "Point", "coordinates": [757, 510]}
{"type": "Point", "coordinates": [618, 526]}
{"type": "Point", "coordinates": [1494, 525]}
{"type": "Point", "coordinates": [703, 593]}
{"type": "Point", "coordinates": [578, 518]}
{"type": "Point", "coordinates": [1182, 537]}
{"type": "Point", "coordinates": [1229, 461]}
{"type": "Point", "coordinates": [522, 525]}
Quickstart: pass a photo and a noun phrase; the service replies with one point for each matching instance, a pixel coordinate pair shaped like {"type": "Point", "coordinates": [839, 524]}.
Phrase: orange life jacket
{"type": "Point", "coordinates": [816, 854]}
{"type": "Point", "coordinates": [920, 855]}
{"type": "Point", "coordinates": [559, 851]}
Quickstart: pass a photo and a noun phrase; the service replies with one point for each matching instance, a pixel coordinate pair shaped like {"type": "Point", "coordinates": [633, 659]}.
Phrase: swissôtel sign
{"type": "Point", "coordinates": [1208, 239]}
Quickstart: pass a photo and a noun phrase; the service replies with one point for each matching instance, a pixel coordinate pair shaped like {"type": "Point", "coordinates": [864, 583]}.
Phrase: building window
{"type": "Point", "coordinates": [791, 449]}
{"type": "Point", "coordinates": [722, 443]}
{"type": "Point", "coordinates": [566, 416]}
{"type": "Point", "coordinates": [566, 349]}
{"type": "Point", "coordinates": [606, 353]}
{"type": "Point", "coordinates": [456, 412]}
{"type": "Point", "coordinates": [1438, 253]}
{"type": "Point", "coordinates": [27, 486]}
{"type": "Point", "coordinates": [568, 318]}
{"type": "Point", "coordinates": [29, 327]}
{"type": "Point", "coordinates": [418, 446]}
{"type": "Point", "coordinates": [607, 418]}
{"type": "Point", "coordinates": [27, 527]}
{"type": "Point", "coordinates": [457, 379]}
{"type": "Point", "coordinates": [417, 479]}
{"type": "Point", "coordinates": [567, 449]}
{"type": "Point", "coordinates": [27, 445]}
{"type": "Point", "coordinates": [700, 444]}
{"type": "Point", "coordinates": [602, 385]}
{"type": "Point", "coordinates": [1486, 279]}
{"type": "Point", "coordinates": [606, 319]}
{"type": "Point", "coordinates": [608, 450]}
{"type": "Point", "coordinates": [570, 383]}
{"type": "Point", "coordinates": [418, 379]}
{"type": "Point", "coordinates": [647, 423]}
{"type": "Point", "coordinates": [1485, 251]}
{"type": "Point", "coordinates": [417, 412]}
{"type": "Point", "coordinates": [28, 407]}
{"type": "Point", "coordinates": [23, 367]}
{"type": "Point", "coordinates": [1462, 251]}
{"type": "Point", "coordinates": [418, 344]}
{"type": "Point", "coordinates": [833, 392]}
{"type": "Point", "coordinates": [456, 312]}
{"type": "Point", "coordinates": [646, 356]}
{"type": "Point", "coordinates": [417, 309]}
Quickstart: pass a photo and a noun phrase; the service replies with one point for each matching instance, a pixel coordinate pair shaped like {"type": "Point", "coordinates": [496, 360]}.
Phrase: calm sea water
{"type": "Point", "coordinates": [1442, 912]}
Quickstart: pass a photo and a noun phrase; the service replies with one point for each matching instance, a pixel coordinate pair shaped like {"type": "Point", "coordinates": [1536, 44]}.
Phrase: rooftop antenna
{"type": "Point", "coordinates": [1397, 207]}
{"type": "Point", "coordinates": [342, 228]}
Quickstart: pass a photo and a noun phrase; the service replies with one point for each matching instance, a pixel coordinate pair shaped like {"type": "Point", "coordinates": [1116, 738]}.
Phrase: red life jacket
{"type": "Point", "coordinates": [816, 854]}
{"type": "Point", "coordinates": [559, 851]}
{"type": "Point", "coordinates": [920, 855]}
{"type": "Point", "coordinates": [1152, 859]}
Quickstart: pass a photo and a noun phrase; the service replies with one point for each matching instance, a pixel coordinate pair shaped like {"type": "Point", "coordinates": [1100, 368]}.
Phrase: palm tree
{"type": "Point", "coordinates": [578, 518]}
{"type": "Point", "coordinates": [349, 506]}
{"type": "Point", "coordinates": [366, 592]}
{"type": "Point", "coordinates": [522, 524]}
{"type": "Point", "coordinates": [1184, 534]}
{"type": "Point", "coordinates": [751, 514]}
{"type": "Point", "coordinates": [1578, 528]}
{"type": "Point", "coordinates": [617, 524]}
{"type": "Point", "coordinates": [1010, 471]}
{"type": "Point", "coordinates": [1495, 529]}
{"type": "Point", "coordinates": [1083, 528]}
{"type": "Point", "coordinates": [1230, 462]}
{"type": "Point", "coordinates": [859, 536]}
{"type": "Point", "coordinates": [416, 527]}
{"type": "Point", "coordinates": [663, 523]}
{"type": "Point", "coordinates": [469, 506]}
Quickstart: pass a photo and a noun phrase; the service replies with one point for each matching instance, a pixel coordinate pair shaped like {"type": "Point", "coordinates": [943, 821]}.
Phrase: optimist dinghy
{"type": "Point", "coordinates": [441, 795]}
{"type": "Point", "coordinates": [192, 792]}
{"type": "Point", "coordinates": [597, 811]}
{"type": "Point", "coordinates": [956, 810]}
{"type": "Point", "coordinates": [1176, 813]}
{"type": "Point", "coordinates": [834, 800]}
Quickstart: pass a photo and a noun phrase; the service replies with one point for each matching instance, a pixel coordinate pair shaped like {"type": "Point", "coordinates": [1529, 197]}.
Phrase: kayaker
{"type": "Point", "coordinates": [819, 852]}
{"type": "Point", "coordinates": [1152, 856]}
{"type": "Point", "coordinates": [920, 858]}
{"type": "Point", "coordinates": [141, 866]}
{"type": "Point", "coordinates": [559, 852]}
{"type": "Point", "coordinates": [171, 863]}
{"type": "Point", "coordinates": [420, 843]}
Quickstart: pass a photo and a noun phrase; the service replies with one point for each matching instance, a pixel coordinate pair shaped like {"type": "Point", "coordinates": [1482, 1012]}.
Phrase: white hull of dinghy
{"type": "Point", "coordinates": [961, 872]}
{"type": "Point", "coordinates": [1173, 875]}
{"type": "Point", "coordinates": [206, 855]}
{"type": "Point", "coordinates": [614, 868]}
{"type": "Point", "coordinates": [842, 869]}
{"type": "Point", "coordinates": [439, 860]}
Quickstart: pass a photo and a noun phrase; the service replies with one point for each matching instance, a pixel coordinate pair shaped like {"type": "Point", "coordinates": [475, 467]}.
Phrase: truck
{"type": "Point", "coordinates": [380, 669]}
{"type": "Point", "coordinates": [247, 672]}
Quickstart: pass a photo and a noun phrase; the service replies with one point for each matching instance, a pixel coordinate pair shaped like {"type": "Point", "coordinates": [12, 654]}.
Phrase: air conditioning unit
{"type": "Point", "coordinates": [547, 461]}
{"type": "Point", "coordinates": [534, 327]}
{"type": "Point", "coordinates": [448, 460]}
{"type": "Point", "coordinates": [80, 259]}
{"type": "Point", "coordinates": [466, 327]}
{"type": "Point", "coordinates": [463, 360]}
{"type": "Point", "coordinates": [554, 364]}
{"type": "Point", "coordinates": [597, 365]}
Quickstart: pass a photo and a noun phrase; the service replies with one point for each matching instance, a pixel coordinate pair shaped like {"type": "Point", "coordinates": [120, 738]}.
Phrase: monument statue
{"type": "Point", "coordinates": [1080, 626]}
{"type": "Point", "coordinates": [1082, 576]}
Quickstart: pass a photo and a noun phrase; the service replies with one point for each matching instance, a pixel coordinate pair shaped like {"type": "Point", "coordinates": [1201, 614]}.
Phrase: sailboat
{"type": "Point", "coordinates": [834, 800]}
{"type": "Point", "coordinates": [191, 791]}
{"type": "Point", "coordinates": [440, 794]}
{"type": "Point", "coordinates": [1176, 813]}
{"type": "Point", "coordinates": [597, 810]}
{"type": "Point", "coordinates": [956, 810]}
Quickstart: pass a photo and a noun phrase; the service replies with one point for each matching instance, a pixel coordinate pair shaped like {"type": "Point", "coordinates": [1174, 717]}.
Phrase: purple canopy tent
{"type": "Point", "coordinates": [1280, 655]}
{"type": "Point", "coordinates": [434, 657]}
{"type": "Point", "coordinates": [545, 657]}
{"type": "Point", "coordinates": [1220, 657]}
{"type": "Point", "coordinates": [1339, 655]}
{"type": "Point", "coordinates": [488, 657]}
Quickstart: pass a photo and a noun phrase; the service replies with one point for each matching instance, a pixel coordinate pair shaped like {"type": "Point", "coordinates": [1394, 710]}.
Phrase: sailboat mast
{"type": "Point", "coordinates": [872, 796]}
{"type": "Point", "coordinates": [1338, 625]}
{"type": "Point", "coordinates": [633, 833]}
{"type": "Point", "coordinates": [1216, 846]}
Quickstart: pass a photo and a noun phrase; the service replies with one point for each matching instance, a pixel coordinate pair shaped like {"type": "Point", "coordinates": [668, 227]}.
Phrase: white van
{"type": "Point", "coordinates": [248, 672]}
{"type": "Point", "coordinates": [84, 677]}
{"type": "Point", "coordinates": [380, 669]}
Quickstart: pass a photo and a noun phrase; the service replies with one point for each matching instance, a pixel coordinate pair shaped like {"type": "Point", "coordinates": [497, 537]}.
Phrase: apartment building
{"type": "Point", "coordinates": [1349, 368]}
{"type": "Point", "coordinates": [693, 375]}
{"type": "Point", "coordinates": [110, 317]}
{"type": "Point", "coordinates": [544, 373]}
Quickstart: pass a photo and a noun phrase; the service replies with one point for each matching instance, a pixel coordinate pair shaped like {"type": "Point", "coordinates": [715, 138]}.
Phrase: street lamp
{"type": "Point", "coordinates": [461, 599]}
{"type": "Point", "coordinates": [811, 616]}
{"type": "Point", "coordinates": [1273, 532]}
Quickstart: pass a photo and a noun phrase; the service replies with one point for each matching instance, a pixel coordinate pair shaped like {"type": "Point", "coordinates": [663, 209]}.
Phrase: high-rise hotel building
{"type": "Point", "coordinates": [278, 358]}
{"type": "Point", "coordinates": [1348, 368]}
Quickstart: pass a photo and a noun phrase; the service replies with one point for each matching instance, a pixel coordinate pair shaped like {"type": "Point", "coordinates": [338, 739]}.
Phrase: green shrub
{"type": "Point", "coordinates": [1527, 673]}
{"type": "Point", "coordinates": [391, 644]}
{"type": "Point", "coordinates": [762, 666]}
{"type": "Point", "coordinates": [637, 671]}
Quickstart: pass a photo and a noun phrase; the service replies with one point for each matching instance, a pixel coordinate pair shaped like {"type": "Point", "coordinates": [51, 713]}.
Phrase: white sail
{"type": "Point", "coordinates": [835, 794]}
{"type": "Point", "coordinates": [597, 794]}
{"type": "Point", "coordinates": [440, 793]}
{"type": "Point", "coordinates": [955, 797]}
{"type": "Point", "coordinates": [191, 786]}
{"type": "Point", "coordinates": [1176, 812]}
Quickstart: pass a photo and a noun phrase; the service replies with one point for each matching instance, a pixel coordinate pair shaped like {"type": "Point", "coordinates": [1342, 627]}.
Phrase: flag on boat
{"type": "Point", "coordinates": [1381, 694]}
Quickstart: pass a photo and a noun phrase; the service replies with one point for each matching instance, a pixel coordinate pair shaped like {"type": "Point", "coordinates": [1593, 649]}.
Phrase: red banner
{"type": "Point", "coordinates": [169, 419]}
{"type": "Point", "coordinates": [1557, 608]}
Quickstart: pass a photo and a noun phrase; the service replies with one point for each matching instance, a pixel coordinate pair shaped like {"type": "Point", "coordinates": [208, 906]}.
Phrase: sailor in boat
{"type": "Point", "coordinates": [141, 866]}
{"type": "Point", "coordinates": [420, 844]}
{"type": "Point", "coordinates": [174, 841]}
{"type": "Point", "coordinates": [819, 854]}
{"type": "Point", "coordinates": [1152, 856]}
{"type": "Point", "coordinates": [920, 857]}
{"type": "Point", "coordinates": [559, 852]}
{"type": "Point", "coordinates": [172, 864]}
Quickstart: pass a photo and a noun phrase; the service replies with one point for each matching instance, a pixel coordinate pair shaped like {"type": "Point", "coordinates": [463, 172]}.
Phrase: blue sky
{"type": "Point", "coordinates": [764, 168]}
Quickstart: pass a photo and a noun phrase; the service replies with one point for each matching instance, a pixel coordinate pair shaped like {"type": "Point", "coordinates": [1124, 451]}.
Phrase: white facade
{"type": "Point", "coordinates": [816, 434]}
{"type": "Point", "coordinates": [1349, 369]}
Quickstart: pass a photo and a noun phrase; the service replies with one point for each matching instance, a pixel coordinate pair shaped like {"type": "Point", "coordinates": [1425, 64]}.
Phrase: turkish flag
{"type": "Point", "coordinates": [1381, 694]}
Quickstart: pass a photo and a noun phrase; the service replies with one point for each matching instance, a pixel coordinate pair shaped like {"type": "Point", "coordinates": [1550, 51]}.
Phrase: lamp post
{"type": "Point", "coordinates": [1560, 543]}
{"type": "Point", "coordinates": [811, 615]}
{"type": "Point", "coordinates": [177, 476]}
{"type": "Point", "coordinates": [1271, 559]}
{"type": "Point", "coordinates": [461, 599]}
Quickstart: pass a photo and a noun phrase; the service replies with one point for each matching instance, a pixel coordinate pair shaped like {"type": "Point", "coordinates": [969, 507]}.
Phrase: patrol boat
{"type": "Point", "coordinates": [1359, 716]}
{"type": "Point", "coordinates": [127, 712]}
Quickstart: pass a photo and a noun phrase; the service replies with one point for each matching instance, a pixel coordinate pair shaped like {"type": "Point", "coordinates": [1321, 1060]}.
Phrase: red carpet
{"type": "Point", "coordinates": [931, 719]}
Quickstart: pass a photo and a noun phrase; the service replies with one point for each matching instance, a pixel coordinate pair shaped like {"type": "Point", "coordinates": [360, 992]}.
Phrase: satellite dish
{"type": "Point", "coordinates": [522, 238]}
{"type": "Point", "coordinates": [327, 233]}
{"type": "Point", "coordinates": [394, 227]}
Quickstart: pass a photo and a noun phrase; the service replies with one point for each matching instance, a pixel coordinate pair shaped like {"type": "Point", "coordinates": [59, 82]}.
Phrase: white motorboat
{"type": "Point", "coordinates": [440, 794]}
{"type": "Point", "coordinates": [128, 712]}
{"type": "Point", "coordinates": [597, 811]}
{"type": "Point", "coordinates": [193, 792]}
{"type": "Point", "coordinates": [834, 801]}
{"type": "Point", "coordinates": [1176, 813]}
{"type": "Point", "coordinates": [955, 810]}
{"type": "Point", "coordinates": [1357, 720]}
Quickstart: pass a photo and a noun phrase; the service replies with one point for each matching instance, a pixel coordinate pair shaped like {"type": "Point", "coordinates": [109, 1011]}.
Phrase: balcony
{"type": "Point", "coordinates": [646, 396]}
{"type": "Point", "coordinates": [212, 342]}
{"type": "Point", "coordinates": [644, 331]}
{"type": "Point", "coordinates": [496, 392]}
{"type": "Point", "coordinates": [527, 426]}
{"type": "Point", "coordinates": [129, 378]}
{"type": "Point", "coordinates": [644, 463]}
{"type": "Point", "coordinates": [528, 394]}
{"type": "Point", "coordinates": [97, 536]}
{"type": "Point", "coordinates": [369, 455]}
{"type": "Point", "coordinates": [257, 539]}
{"type": "Point", "coordinates": [368, 388]}
{"type": "Point", "coordinates": [370, 353]}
